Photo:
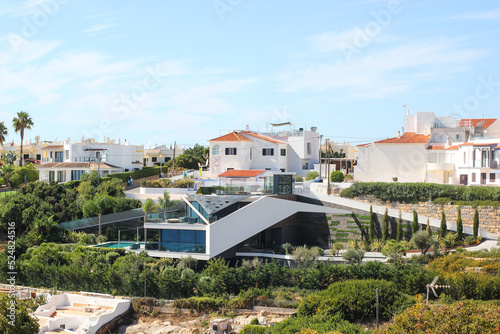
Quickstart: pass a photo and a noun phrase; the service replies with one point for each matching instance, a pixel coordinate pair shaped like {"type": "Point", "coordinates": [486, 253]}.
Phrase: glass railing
{"type": "Point", "coordinates": [176, 247]}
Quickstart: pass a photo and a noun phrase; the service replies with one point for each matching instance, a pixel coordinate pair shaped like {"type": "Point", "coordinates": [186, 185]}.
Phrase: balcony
{"type": "Point", "coordinates": [45, 160]}
{"type": "Point", "coordinates": [86, 159]}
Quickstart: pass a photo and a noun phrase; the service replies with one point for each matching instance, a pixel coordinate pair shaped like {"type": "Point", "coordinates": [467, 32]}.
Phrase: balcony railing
{"type": "Point", "coordinates": [52, 160]}
{"type": "Point", "coordinates": [86, 159]}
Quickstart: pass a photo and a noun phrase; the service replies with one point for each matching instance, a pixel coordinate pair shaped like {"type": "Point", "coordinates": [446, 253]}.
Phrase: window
{"type": "Point", "coordinates": [60, 176]}
{"type": "Point", "coordinates": [67, 154]}
{"type": "Point", "coordinates": [76, 174]}
{"type": "Point", "coordinates": [473, 177]}
{"type": "Point", "coordinates": [268, 151]}
{"type": "Point", "coordinates": [59, 157]}
{"type": "Point", "coordinates": [282, 170]}
{"type": "Point", "coordinates": [457, 137]}
{"type": "Point", "coordinates": [167, 159]}
{"type": "Point", "coordinates": [154, 159]}
{"type": "Point", "coordinates": [51, 175]}
{"type": "Point", "coordinates": [216, 150]}
{"type": "Point", "coordinates": [432, 158]}
{"type": "Point", "coordinates": [308, 149]}
{"type": "Point", "coordinates": [229, 168]}
{"type": "Point", "coordinates": [305, 165]}
{"type": "Point", "coordinates": [230, 150]}
{"type": "Point", "coordinates": [38, 157]}
{"type": "Point", "coordinates": [26, 156]}
{"type": "Point", "coordinates": [465, 157]}
{"type": "Point", "coordinates": [268, 168]}
{"type": "Point", "coordinates": [283, 152]}
{"type": "Point", "coordinates": [492, 177]}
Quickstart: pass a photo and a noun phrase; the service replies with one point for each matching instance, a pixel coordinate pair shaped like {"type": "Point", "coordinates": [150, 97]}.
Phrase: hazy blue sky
{"type": "Point", "coordinates": [159, 71]}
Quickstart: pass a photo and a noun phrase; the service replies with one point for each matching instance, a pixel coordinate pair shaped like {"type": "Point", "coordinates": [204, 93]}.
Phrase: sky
{"type": "Point", "coordinates": [155, 72]}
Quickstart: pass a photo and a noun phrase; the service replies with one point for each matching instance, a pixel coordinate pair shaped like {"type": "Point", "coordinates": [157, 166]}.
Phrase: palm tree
{"type": "Point", "coordinates": [148, 206]}
{"type": "Point", "coordinates": [3, 133]}
{"type": "Point", "coordinates": [100, 204]}
{"type": "Point", "coordinates": [165, 203]}
{"type": "Point", "coordinates": [20, 123]}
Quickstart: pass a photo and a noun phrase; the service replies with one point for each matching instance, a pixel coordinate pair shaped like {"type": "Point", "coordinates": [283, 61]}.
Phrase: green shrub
{"type": "Point", "coordinates": [200, 304]}
{"type": "Point", "coordinates": [299, 178]}
{"type": "Point", "coordinates": [253, 329]}
{"type": "Point", "coordinates": [337, 176]}
{"type": "Point", "coordinates": [354, 299]}
{"type": "Point", "coordinates": [317, 324]}
{"type": "Point", "coordinates": [311, 175]}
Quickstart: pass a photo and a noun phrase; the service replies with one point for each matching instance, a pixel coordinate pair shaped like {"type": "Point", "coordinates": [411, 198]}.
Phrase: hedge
{"type": "Point", "coordinates": [136, 174]}
{"type": "Point", "coordinates": [421, 192]}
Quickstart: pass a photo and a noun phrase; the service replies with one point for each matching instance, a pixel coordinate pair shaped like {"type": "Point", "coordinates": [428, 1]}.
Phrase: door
{"type": "Point", "coordinates": [483, 178]}
{"type": "Point", "coordinates": [463, 179]}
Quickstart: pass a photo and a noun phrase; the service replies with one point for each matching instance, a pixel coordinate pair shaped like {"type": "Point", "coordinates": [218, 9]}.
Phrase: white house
{"type": "Point", "coordinates": [161, 154]}
{"type": "Point", "coordinates": [65, 161]}
{"type": "Point", "coordinates": [294, 151]}
{"type": "Point", "coordinates": [438, 150]}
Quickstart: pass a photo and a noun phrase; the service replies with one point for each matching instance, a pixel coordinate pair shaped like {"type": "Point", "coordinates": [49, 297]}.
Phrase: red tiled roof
{"type": "Point", "coordinates": [496, 148]}
{"type": "Point", "coordinates": [478, 144]}
{"type": "Point", "coordinates": [452, 147]}
{"type": "Point", "coordinates": [263, 137]}
{"type": "Point", "coordinates": [406, 138]}
{"type": "Point", "coordinates": [241, 173]}
{"type": "Point", "coordinates": [95, 165]}
{"type": "Point", "coordinates": [436, 147]}
{"type": "Point", "coordinates": [480, 122]}
{"type": "Point", "coordinates": [233, 136]}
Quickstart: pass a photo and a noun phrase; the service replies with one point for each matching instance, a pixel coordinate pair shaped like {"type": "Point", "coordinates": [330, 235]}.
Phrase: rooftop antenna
{"type": "Point", "coordinates": [404, 117]}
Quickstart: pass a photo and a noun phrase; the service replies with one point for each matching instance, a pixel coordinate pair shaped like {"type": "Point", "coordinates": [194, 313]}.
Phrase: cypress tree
{"type": "Point", "coordinates": [414, 223]}
{"type": "Point", "coordinates": [399, 228]}
{"type": "Point", "coordinates": [443, 227]}
{"type": "Point", "coordinates": [475, 224]}
{"type": "Point", "coordinates": [460, 226]}
{"type": "Point", "coordinates": [385, 226]}
{"type": "Point", "coordinates": [371, 232]}
{"type": "Point", "coordinates": [428, 229]}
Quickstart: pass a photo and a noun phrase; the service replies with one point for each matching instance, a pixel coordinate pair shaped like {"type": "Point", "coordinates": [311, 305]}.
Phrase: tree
{"type": "Point", "coordinates": [148, 206]}
{"type": "Point", "coordinates": [165, 203]}
{"type": "Point", "coordinates": [443, 228]}
{"type": "Point", "coordinates": [3, 132]}
{"type": "Point", "coordinates": [336, 176]}
{"type": "Point", "coordinates": [98, 205]}
{"type": "Point", "coordinates": [371, 231]}
{"type": "Point", "coordinates": [475, 224]}
{"type": "Point", "coordinates": [385, 226]}
{"type": "Point", "coordinates": [394, 251]}
{"type": "Point", "coordinates": [428, 229]}
{"type": "Point", "coordinates": [305, 256]}
{"type": "Point", "coordinates": [337, 247]}
{"type": "Point", "coordinates": [460, 226]}
{"type": "Point", "coordinates": [311, 175]}
{"type": "Point", "coordinates": [354, 255]}
{"type": "Point", "coordinates": [422, 241]}
{"type": "Point", "coordinates": [20, 123]}
{"type": "Point", "coordinates": [414, 223]}
{"type": "Point", "coordinates": [15, 318]}
{"type": "Point", "coordinates": [399, 232]}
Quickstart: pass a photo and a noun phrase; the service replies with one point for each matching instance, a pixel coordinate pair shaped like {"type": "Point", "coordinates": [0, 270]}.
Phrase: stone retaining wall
{"type": "Point", "coordinates": [489, 217]}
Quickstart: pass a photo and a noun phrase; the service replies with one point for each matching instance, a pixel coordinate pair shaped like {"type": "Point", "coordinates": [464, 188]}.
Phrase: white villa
{"type": "Point", "coordinates": [155, 155]}
{"type": "Point", "coordinates": [292, 151]}
{"type": "Point", "coordinates": [435, 149]}
{"type": "Point", "coordinates": [65, 161]}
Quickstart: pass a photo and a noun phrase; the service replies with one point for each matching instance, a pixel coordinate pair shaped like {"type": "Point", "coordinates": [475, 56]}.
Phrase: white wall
{"type": "Point", "coordinates": [383, 162]}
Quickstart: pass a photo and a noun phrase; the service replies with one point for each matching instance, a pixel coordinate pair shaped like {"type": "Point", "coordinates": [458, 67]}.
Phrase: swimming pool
{"type": "Point", "coordinates": [114, 244]}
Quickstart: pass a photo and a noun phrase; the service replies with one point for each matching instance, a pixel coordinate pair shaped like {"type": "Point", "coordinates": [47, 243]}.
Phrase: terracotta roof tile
{"type": "Point", "coordinates": [436, 147]}
{"type": "Point", "coordinates": [263, 137]}
{"type": "Point", "coordinates": [406, 138]}
{"type": "Point", "coordinates": [480, 122]}
{"type": "Point", "coordinates": [78, 165]}
{"type": "Point", "coordinates": [241, 173]}
{"type": "Point", "coordinates": [233, 136]}
{"type": "Point", "coordinates": [452, 147]}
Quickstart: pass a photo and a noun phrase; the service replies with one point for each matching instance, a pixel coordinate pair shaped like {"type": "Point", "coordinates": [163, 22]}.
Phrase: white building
{"type": "Point", "coordinates": [153, 156]}
{"type": "Point", "coordinates": [65, 161]}
{"type": "Point", "coordinates": [434, 149]}
{"type": "Point", "coordinates": [294, 151]}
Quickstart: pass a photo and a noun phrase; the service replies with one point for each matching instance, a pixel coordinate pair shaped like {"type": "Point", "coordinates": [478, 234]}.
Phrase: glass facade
{"type": "Point", "coordinates": [188, 241]}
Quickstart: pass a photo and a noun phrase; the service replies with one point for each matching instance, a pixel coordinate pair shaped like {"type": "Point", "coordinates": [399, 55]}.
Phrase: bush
{"type": "Point", "coordinates": [354, 255]}
{"type": "Point", "coordinates": [337, 176]}
{"type": "Point", "coordinates": [462, 317]}
{"type": "Point", "coordinates": [422, 241]}
{"type": "Point", "coordinates": [253, 329]}
{"type": "Point", "coordinates": [299, 178]}
{"type": "Point", "coordinates": [354, 299]}
{"type": "Point", "coordinates": [201, 304]}
{"type": "Point", "coordinates": [317, 324]}
{"type": "Point", "coordinates": [311, 175]}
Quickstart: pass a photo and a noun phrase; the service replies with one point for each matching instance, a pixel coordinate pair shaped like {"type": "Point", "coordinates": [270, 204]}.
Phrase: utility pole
{"type": "Point", "coordinates": [173, 160]}
{"type": "Point", "coordinates": [320, 171]}
{"type": "Point", "coordinates": [328, 191]}
{"type": "Point", "coordinates": [376, 290]}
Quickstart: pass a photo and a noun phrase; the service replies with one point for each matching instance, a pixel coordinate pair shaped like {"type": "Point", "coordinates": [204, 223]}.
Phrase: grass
{"type": "Point", "coordinates": [334, 223]}
{"type": "Point", "coordinates": [340, 240]}
{"type": "Point", "coordinates": [341, 235]}
{"type": "Point", "coordinates": [348, 231]}
{"type": "Point", "coordinates": [360, 217]}
{"type": "Point", "coordinates": [4, 194]}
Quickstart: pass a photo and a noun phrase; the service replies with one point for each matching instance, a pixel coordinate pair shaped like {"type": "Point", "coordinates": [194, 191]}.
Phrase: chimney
{"type": "Point", "coordinates": [248, 128]}
{"type": "Point", "coordinates": [399, 134]}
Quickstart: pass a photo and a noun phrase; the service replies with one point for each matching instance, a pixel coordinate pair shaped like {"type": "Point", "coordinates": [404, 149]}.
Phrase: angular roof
{"type": "Point", "coordinates": [233, 136]}
{"type": "Point", "coordinates": [406, 138]}
{"type": "Point", "coordinates": [241, 173]}
{"type": "Point", "coordinates": [263, 137]}
{"type": "Point", "coordinates": [476, 122]}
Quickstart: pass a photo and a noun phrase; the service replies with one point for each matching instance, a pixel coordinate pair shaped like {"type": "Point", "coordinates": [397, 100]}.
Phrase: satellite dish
{"type": "Point", "coordinates": [37, 138]}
